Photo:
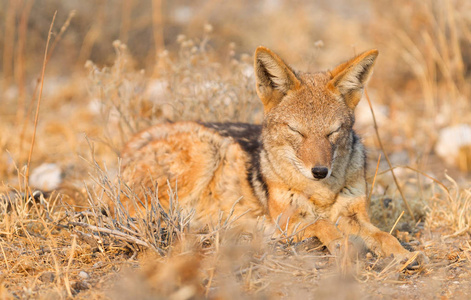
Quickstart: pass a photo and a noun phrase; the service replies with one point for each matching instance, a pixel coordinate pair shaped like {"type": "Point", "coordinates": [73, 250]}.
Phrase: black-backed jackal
{"type": "Point", "coordinates": [304, 167]}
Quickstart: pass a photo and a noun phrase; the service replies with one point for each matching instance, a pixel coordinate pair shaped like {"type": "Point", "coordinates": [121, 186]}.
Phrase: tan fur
{"type": "Point", "coordinates": [206, 170]}
{"type": "Point", "coordinates": [307, 127]}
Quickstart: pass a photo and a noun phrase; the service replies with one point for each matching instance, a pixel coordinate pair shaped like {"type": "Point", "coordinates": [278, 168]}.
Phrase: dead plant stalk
{"type": "Point", "coordinates": [387, 158]}
{"type": "Point", "coordinates": [36, 117]}
{"type": "Point", "coordinates": [39, 80]}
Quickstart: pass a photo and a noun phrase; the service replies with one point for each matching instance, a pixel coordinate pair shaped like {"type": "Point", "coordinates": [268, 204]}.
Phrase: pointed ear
{"type": "Point", "coordinates": [273, 78]}
{"type": "Point", "coordinates": [349, 78]}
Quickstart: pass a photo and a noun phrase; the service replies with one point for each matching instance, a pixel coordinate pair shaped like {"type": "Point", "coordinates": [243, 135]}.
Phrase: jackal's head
{"type": "Point", "coordinates": [309, 116]}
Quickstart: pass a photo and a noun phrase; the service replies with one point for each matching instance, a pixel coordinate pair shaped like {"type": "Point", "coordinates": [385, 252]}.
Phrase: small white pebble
{"type": "Point", "coordinates": [450, 140]}
{"type": "Point", "coordinates": [46, 177]}
{"type": "Point", "coordinates": [84, 275]}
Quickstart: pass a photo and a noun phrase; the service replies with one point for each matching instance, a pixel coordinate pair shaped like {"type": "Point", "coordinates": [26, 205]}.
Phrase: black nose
{"type": "Point", "coordinates": [319, 172]}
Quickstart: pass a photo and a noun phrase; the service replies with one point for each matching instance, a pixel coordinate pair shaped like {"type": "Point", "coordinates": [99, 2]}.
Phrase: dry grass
{"type": "Point", "coordinates": [171, 66]}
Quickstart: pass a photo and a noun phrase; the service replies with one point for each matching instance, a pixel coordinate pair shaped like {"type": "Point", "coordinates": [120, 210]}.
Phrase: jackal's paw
{"type": "Point", "coordinates": [415, 259]}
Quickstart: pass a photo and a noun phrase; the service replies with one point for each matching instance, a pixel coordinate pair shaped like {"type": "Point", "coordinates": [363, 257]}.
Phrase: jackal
{"type": "Point", "coordinates": [304, 167]}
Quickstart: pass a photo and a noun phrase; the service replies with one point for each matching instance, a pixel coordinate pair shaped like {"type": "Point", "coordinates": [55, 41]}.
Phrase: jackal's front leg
{"type": "Point", "coordinates": [323, 229]}
{"type": "Point", "coordinates": [296, 221]}
{"type": "Point", "coordinates": [355, 221]}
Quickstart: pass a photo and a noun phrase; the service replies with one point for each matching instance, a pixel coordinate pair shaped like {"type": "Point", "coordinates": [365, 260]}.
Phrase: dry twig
{"type": "Point", "coordinates": [387, 158]}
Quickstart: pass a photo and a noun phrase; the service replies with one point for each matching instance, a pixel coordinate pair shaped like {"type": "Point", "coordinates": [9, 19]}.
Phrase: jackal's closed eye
{"type": "Point", "coordinates": [294, 130]}
{"type": "Point", "coordinates": [333, 132]}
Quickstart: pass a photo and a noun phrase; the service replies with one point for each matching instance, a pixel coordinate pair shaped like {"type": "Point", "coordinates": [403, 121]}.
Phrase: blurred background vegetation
{"type": "Point", "coordinates": [423, 70]}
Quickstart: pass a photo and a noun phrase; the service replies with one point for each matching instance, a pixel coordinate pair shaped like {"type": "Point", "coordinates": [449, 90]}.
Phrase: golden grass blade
{"type": "Point", "coordinates": [387, 158]}
{"type": "Point", "coordinates": [409, 261]}
{"type": "Point", "coordinates": [36, 117]}
{"type": "Point", "coordinates": [39, 80]}
{"type": "Point", "coordinates": [71, 258]}
{"type": "Point", "coordinates": [374, 180]}
{"type": "Point", "coordinates": [395, 223]}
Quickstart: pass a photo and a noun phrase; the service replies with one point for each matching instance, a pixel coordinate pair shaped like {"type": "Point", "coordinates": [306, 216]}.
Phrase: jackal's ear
{"type": "Point", "coordinates": [274, 78]}
{"type": "Point", "coordinates": [349, 78]}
